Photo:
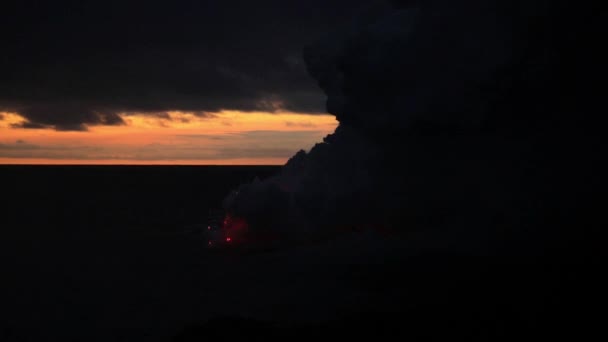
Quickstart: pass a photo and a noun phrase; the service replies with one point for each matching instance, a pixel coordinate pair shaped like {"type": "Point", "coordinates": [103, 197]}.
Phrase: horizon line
{"type": "Point", "coordinates": [247, 165]}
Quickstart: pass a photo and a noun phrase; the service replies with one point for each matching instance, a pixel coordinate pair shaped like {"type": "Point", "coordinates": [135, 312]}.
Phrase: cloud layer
{"type": "Point", "coordinates": [67, 65]}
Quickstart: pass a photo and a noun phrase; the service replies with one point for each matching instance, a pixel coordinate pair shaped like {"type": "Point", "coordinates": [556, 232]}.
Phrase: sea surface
{"type": "Point", "coordinates": [58, 200]}
{"type": "Point", "coordinates": [98, 253]}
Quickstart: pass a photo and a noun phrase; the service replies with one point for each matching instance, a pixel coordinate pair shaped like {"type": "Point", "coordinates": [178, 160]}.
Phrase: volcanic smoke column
{"type": "Point", "coordinates": [443, 107]}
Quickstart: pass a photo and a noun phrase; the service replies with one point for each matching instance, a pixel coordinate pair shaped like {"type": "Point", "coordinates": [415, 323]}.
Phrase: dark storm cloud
{"type": "Point", "coordinates": [65, 64]}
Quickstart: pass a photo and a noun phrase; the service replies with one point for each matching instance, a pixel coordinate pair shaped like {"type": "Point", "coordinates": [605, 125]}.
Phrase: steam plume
{"type": "Point", "coordinates": [452, 114]}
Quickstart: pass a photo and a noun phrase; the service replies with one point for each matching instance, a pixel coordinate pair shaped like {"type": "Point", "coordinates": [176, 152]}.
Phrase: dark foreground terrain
{"type": "Point", "coordinates": [98, 254]}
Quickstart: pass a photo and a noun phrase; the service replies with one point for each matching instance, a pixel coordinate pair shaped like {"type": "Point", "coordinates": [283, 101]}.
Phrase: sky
{"type": "Point", "coordinates": [161, 82]}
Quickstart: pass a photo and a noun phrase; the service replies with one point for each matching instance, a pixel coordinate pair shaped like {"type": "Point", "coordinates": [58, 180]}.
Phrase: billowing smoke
{"type": "Point", "coordinates": [467, 113]}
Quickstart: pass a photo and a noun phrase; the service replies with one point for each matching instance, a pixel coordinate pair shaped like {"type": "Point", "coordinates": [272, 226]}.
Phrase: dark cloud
{"type": "Point", "coordinates": [66, 117]}
{"type": "Point", "coordinates": [66, 64]}
{"type": "Point", "coordinates": [33, 125]}
{"type": "Point", "coordinates": [161, 115]}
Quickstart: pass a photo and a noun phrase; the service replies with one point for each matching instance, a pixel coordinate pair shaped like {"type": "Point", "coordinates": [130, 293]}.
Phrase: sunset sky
{"type": "Point", "coordinates": [168, 82]}
{"type": "Point", "coordinates": [227, 137]}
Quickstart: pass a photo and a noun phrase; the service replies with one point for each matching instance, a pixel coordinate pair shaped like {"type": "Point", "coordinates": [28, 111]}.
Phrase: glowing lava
{"type": "Point", "coordinates": [234, 223]}
{"type": "Point", "coordinates": [233, 228]}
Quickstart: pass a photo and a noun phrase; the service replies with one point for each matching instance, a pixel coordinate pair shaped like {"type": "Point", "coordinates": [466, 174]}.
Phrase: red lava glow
{"type": "Point", "coordinates": [234, 227]}
{"type": "Point", "coordinates": [235, 223]}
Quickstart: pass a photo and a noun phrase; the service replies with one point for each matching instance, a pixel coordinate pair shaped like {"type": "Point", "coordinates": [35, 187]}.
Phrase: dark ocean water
{"type": "Point", "coordinates": [95, 252]}
{"type": "Point", "coordinates": [51, 200]}
{"type": "Point", "coordinates": [99, 254]}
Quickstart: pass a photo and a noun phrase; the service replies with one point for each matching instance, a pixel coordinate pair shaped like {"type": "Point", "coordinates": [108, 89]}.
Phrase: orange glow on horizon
{"type": "Point", "coordinates": [103, 162]}
{"type": "Point", "coordinates": [173, 138]}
